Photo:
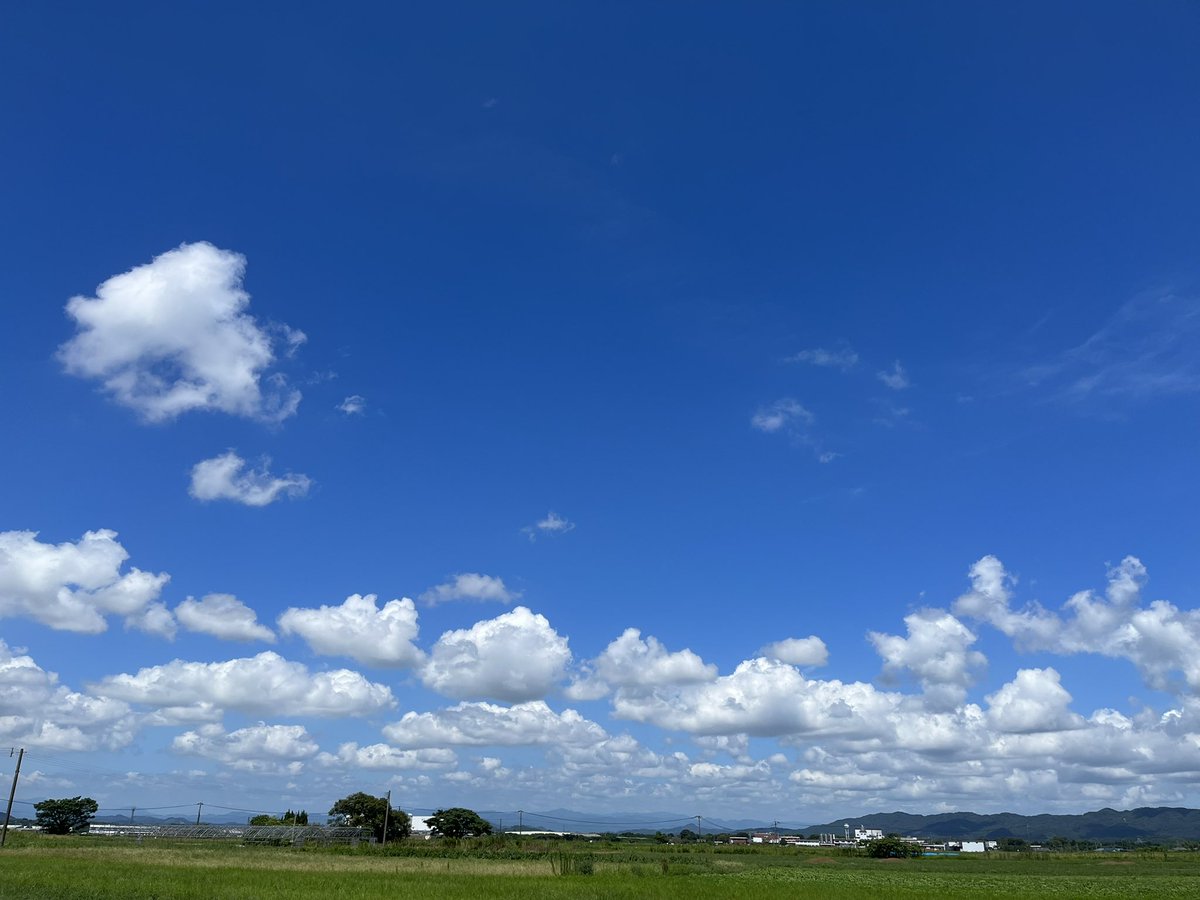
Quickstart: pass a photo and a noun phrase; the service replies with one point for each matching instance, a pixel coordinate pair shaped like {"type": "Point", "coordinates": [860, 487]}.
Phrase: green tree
{"type": "Point", "coordinates": [687, 836]}
{"type": "Point", "coordinates": [364, 811]}
{"type": "Point", "coordinates": [65, 816]}
{"type": "Point", "coordinates": [892, 846]}
{"type": "Point", "coordinates": [458, 822]}
{"type": "Point", "coordinates": [295, 818]}
{"type": "Point", "coordinates": [265, 820]}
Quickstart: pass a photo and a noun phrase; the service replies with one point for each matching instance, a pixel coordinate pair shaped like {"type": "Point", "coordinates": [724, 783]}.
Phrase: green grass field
{"type": "Point", "coordinates": [85, 868]}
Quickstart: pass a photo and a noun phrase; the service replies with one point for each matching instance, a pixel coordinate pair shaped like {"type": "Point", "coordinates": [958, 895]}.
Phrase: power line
{"type": "Point", "coordinates": [234, 808]}
{"type": "Point", "coordinates": [675, 821]}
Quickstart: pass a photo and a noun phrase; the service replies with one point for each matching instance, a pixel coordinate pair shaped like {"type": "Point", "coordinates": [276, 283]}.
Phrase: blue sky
{"type": "Point", "coordinates": [839, 350]}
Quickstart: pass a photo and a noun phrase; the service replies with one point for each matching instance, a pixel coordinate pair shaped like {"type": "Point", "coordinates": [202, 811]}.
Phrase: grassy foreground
{"type": "Point", "coordinates": [82, 868]}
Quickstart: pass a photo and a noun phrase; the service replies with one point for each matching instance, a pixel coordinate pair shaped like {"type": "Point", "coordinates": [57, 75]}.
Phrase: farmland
{"type": "Point", "coordinates": [93, 868]}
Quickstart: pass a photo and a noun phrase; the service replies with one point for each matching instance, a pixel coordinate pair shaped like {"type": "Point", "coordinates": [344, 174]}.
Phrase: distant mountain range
{"type": "Point", "coordinates": [1147, 823]}
{"type": "Point", "coordinates": [1158, 823]}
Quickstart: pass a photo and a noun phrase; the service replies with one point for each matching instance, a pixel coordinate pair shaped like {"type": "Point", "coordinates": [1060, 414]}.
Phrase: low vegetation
{"type": "Point", "coordinates": [80, 867]}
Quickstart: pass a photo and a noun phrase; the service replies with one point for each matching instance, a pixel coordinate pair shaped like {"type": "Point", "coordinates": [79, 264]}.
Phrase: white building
{"type": "Point", "coordinates": [977, 846]}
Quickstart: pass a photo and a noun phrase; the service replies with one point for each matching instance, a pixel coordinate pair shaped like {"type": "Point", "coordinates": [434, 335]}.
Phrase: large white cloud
{"type": "Point", "coordinates": [989, 598]}
{"type": "Point", "coordinates": [36, 711]}
{"type": "Point", "coordinates": [761, 697]}
{"type": "Point", "coordinates": [262, 684]}
{"type": "Point", "coordinates": [382, 756]}
{"type": "Point", "coordinates": [225, 477]}
{"type": "Point", "coordinates": [261, 748]}
{"type": "Point", "coordinates": [1033, 701]}
{"type": "Point", "coordinates": [514, 657]}
{"type": "Point", "coordinates": [1160, 639]}
{"type": "Point", "coordinates": [488, 724]}
{"type": "Point", "coordinates": [617, 757]}
{"type": "Point", "coordinates": [72, 586]}
{"type": "Point", "coordinates": [809, 651]}
{"type": "Point", "coordinates": [223, 616]}
{"type": "Point", "coordinates": [360, 630]}
{"type": "Point", "coordinates": [632, 661]}
{"type": "Point", "coordinates": [936, 651]}
{"type": "Point", "coordinates": [173, 335]}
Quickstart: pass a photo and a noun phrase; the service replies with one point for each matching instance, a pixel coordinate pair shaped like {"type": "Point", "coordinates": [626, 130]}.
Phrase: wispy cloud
{"type": "Point", "coordinates": [788, 417]}
{"type": "Point", "coordinates": [842, 358]}
{"type": "Point", "coordinates": [1149, 348]}
{"type": "Point", "coordinates": [891, 414]}
{"type": "Point", "coordinates": [552, 524]}
{"type": "Point", "coordinates": [470, 586]}
{"type": "Point", "coordinates": [782, 414]}
{"type": "Point", "coordinates": [895, 378]}
{"type": "Point", "coordinates": [354, 405]}
{"type": "Point", "coordinates": [226, 477]}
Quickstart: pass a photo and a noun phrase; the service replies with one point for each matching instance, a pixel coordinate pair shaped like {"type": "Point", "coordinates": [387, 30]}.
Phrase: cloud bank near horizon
{"type": "Point", "coordinates": [762, 731]}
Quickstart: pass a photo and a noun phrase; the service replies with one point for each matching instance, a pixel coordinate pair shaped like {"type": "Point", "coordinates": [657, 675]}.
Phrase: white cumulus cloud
{"type": "Point", "coordinates": [360, 630]}
{"type": "Point", "coordinates": [488, 725]}
{"type": "Point", "coordinates": [173, 335]}
{"type": "Point", "coordinates": [37, 711]}
{"type": "Point", "coordinates": [937, 652]}
{"type": "Point", "coordinates": [225, 477]}
{"type": "Point", "coordinates": [470, 586]}
{"type": "Point", "coordinates": [632, 661]}
{"type": "Point", "coordinates": [762, 697]}
{"type": "Point", "coordinates": [809, 651]}
{"type": "Point", "coordinates": [514, 657]}
{"type": "Point", "coordinates": [223, 616]}
{"type": "Point", "coordinates": [266, 684]}
{"type": "Point", "coordinates": [72, 586]}
{"type": "Point", "coordinates": [1033, 701]}
{"type": "Point", "coordinates": [261, 748]}
{"type": "Point", "coordinates": [382, 756]}
{"type": "Point", "coordinates": [1160, 639]}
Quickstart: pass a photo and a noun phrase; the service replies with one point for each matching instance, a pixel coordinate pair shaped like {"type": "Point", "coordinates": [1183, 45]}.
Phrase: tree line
{"type": "Point", "coordinates": [74, 814]}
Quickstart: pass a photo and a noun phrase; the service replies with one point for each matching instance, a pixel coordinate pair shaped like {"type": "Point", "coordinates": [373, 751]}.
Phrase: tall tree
{"type": "Point", "coordinates": [65, 816]}
{"type": "Point", "coordinates": [458, 822]}
{"type": "Point", "coordinates": [366, 811]}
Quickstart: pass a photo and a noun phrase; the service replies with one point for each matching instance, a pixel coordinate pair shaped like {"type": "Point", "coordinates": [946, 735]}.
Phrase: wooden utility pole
{"type": "Point", "coordinates": [387, 811]}
{"type": "Point", "coordinates": [199, 807]}
{"type": "Point", "coordinates": [12, 793]}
